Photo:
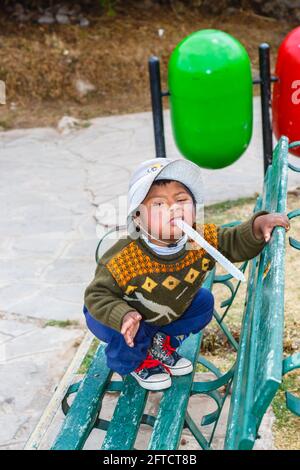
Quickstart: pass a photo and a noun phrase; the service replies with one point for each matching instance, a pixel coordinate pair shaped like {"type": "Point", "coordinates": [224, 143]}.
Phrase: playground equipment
{"type": "Point", "coordinates": [264, 80]}
{"type": "Point", "coordinates": [259, 368]}
{"type": "Point", "coordinates": [210, 87]}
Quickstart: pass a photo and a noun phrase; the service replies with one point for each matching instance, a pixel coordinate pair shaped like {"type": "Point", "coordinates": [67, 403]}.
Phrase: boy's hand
{"type": "Point", "coordinates": [130, 326]}
{"type": "Point", "coordinates": [264, 224]}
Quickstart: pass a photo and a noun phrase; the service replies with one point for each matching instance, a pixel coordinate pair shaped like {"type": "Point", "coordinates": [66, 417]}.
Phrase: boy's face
{"type": "Point", "coordinates": [162, 205]}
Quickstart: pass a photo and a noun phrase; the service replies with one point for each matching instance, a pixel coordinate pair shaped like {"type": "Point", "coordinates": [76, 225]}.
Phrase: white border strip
{"type": "Point", "coordinates": [48, 415]}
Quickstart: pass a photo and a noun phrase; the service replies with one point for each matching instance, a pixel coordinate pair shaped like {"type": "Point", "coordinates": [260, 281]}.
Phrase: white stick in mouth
{"type": "Point", "coordinates": [233, 270]}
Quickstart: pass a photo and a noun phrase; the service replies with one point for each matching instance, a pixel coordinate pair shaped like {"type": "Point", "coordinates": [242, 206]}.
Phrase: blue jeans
{"type": "Point", "coordinates": [123, 359]}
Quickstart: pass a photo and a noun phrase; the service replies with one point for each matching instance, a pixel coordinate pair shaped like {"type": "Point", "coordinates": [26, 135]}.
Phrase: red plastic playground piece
{"type": "Point", "coordinates": [286, 92]}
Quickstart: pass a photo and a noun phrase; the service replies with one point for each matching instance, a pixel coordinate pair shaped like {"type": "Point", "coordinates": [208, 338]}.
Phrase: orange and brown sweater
{"type": "Point", "coordinates": [131, 276]}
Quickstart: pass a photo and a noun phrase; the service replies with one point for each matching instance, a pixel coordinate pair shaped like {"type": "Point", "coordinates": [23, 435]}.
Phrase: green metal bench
{"type": "Point", "coordinates": [253, 380]}
{"type": "Point", "coordinates": [259, 367]}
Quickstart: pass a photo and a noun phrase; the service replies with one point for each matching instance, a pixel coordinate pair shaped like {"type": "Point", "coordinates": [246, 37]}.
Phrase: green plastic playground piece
{"type": "Point", "coordinates": [210, 87]}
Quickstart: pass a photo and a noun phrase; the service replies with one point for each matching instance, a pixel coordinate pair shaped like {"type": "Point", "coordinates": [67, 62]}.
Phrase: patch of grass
{"type": "Point", "coordinates": [281, 412]}
{"type": "Point", "coordinates": [214, 340]}
{"type": "Point", "coordinates": [220, 207]}
{"type": "Point", "coordinates": [6, 124]}
{"type": "Point", "coordinates": [201, 368]}
{"type": "Point", "coordinates": [223, 361]}
{"type": "Point", "coordinates": [88, 357]}
{"type": "Point", "coordinates": [61, 324]}
{"type": "Point", "coordinates": [287, 425]}
{"type": "Point", "coordinates": [230, 210]}
{"type": "Point", "coordinates": [86, 125]}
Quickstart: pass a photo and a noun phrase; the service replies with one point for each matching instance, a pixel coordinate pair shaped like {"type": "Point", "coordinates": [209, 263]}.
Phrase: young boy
{"type": "Point", "coordinates": [146, 296]}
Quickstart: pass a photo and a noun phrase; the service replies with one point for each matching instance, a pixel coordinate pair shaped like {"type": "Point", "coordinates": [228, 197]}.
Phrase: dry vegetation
{"type": "Point", "coordinates": [41, 63]}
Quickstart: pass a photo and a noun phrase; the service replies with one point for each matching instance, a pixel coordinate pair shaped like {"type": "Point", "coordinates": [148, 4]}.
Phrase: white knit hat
{"type": "Point", "coordinates": [146, 173]}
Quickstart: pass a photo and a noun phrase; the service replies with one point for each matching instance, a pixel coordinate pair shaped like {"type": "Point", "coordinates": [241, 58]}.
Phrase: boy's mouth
{"type": "Point", "coordinates": [172, 221]}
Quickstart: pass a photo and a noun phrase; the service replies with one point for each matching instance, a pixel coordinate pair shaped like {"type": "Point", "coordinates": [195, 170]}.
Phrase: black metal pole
{"type": "Point", "coordinates": [265, 96]}
{"type": "Point", "coordinates": [157, 108]}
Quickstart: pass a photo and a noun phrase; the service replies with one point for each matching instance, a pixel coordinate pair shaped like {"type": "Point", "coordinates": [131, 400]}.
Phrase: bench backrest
{"type": "Point", "coordinates": [257, 374]}
{"type": "Point", "coordinates": [259, 362]}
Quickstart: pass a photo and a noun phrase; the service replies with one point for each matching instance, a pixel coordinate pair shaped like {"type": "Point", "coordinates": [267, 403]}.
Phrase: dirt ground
{"type": "Point", "coordinates": [41, 63]}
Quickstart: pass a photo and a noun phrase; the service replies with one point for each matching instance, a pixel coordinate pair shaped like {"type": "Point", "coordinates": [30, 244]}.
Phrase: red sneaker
{"type": "Point", "coordinates": [152, 374]}
{"type": "Point", "coordinates": [163, 351]}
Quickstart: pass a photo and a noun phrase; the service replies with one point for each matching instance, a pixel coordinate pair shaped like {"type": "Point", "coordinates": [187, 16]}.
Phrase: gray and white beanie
{"type": "Point", "coordinates": [146, 173]}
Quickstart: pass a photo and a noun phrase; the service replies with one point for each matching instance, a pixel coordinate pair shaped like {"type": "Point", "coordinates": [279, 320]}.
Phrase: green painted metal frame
{"type": "Point", "coordinates": [292, 362]}
{"type": "Point", "coordinates": [254, 378]}
{"type": "Point", "coordinates": [260, 364]}
{"type": "Point", "coordinates": [85, 412]}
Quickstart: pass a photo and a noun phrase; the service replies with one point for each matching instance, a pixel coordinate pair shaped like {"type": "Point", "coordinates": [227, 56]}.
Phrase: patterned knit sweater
{"type": "Point", "coordinates": [131, 276]}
